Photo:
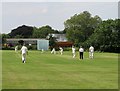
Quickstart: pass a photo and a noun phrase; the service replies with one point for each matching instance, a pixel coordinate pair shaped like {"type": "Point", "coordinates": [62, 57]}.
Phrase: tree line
{"type": "Point", "coordinates": [85, 30]}
{"type": "Point", "coordinates": [81, 29]}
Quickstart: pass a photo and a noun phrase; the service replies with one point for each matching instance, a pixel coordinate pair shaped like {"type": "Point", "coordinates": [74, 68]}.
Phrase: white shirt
{"type": "Point", "coordinates": [73, 50]}
{"type": "Point", "coordinates": [61, 49]}
{"type": "Point", "coordinates": [24, 49]}
{"type": "Point", "coordinates": [16, 47]}
{"type": "Point", "coordinates": [81, 50]}
{"type": "Point", "coordinates": [91, 49]}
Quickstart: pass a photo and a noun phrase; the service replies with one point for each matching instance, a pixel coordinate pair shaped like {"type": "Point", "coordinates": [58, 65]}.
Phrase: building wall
{"type": "Point", "coordinates": [26, 41]}
{"type": "Point", "coordinates": [42, 44]}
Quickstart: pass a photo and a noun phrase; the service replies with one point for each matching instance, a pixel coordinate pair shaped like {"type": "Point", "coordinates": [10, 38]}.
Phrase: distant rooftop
{"type": "Point", "coordinates": [59, 37]}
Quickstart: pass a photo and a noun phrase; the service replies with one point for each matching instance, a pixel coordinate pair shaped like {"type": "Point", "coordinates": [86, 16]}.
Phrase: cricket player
{"type": "Point", "coordinates": [24, 51]}
{"type": "Point", "coordinates": [81, 50]}
{"type": "Point", "coordinates": [61, 50]}
{"type": "Point", "coordinates": [16, 48]}
{"type": "Point", "coordinates": [73, 51]}
{"type": "Point", "coordinates": [53, 51]}
{"type": "Point", "coordinates": [91, 52]}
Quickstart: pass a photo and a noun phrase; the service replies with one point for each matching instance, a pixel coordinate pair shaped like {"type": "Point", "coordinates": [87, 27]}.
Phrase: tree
{"type": "Point", "coordinates": [18, 36]}
{"type": "Point", "coordinates": [81, 26]}
{"type": "Point", "coordinates": [106, 36]}
{"type": "Point", "coordinates": [4, 37]}
{"type": "Point", "coordinates": [24, 31]}
{"type": "Point", "coordinates": [42, 32]}
{"type": "Point", "coordinates": [21, 42]}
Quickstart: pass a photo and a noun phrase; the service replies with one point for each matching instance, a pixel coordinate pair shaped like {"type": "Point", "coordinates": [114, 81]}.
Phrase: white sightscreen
{"type": "Point", "coordinates": [42, 44]}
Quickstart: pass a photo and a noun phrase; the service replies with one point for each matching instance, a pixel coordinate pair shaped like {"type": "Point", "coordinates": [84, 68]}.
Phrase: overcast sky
{"type": "Point", "coordinates": [38, 14]}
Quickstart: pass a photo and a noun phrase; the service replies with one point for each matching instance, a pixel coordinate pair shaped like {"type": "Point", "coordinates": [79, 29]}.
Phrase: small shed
{"type": "Point", "coordinates": [42, 44]}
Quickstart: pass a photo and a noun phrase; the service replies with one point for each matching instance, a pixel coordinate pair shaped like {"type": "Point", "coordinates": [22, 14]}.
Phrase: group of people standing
{"type": "Point", "coordinates": [24, 52]}
{"type": "Point", "coordinates": [81, 52]}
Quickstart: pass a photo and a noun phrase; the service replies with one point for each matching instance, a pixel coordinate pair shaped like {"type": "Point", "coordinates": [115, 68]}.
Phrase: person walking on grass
{"type": "Point", "coordinates": [81, 51]}
{"type": "Point", "coordinates": [24, 52]}
{"type": "Point", "coordinates": [16, 48]}
{"type": "Point", "coordinates": [91, 52]}
{"type": "Point", "coordinates": [61, 50]}
{"type": "Point", "coordinates": [53, 51]}
{"type": "Point", "coordinates": [73, 51]}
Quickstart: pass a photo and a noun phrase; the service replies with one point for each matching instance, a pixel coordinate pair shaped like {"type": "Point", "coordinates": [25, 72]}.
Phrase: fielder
{"type": "Point", "coordinates": [53, 51]}
{"type": "Point", "coordinates": [73, 51]}
{"type": "Point", "coordinates": [91, 52]}
{"type": "Point", "coordinates": [61, 50]}
{"type": "Point", "coordinates": [24, 51]}
{"type": "Point", "coordinates": [16, 48]}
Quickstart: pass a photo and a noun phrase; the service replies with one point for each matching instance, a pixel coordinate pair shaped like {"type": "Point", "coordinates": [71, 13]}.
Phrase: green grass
{"type": "Point", "coordinates": [0, 70]}
{"type": "Point", "coordinates": [49, 71]}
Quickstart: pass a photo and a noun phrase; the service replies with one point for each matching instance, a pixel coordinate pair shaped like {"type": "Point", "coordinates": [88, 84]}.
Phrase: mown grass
{"type": "Point", "coordinates": [0, 69]}
{"type": "Point", "coordinates": [49, 71]}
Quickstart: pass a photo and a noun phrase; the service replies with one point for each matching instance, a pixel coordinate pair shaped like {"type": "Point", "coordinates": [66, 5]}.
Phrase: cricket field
{"type": "Point", "coordinates": [55, 71]}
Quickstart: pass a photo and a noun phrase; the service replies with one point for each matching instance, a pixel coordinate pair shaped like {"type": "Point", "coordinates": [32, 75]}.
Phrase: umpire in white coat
{"type": "Point", "coordinates": [81, 51]}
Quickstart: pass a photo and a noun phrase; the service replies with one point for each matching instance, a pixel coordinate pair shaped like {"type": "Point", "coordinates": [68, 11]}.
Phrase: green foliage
{"type": "Point", "coordinates": [31, 32]}
{"type": "Point", "coordinates": [22, 31]}
{"type": "Point", "coordinates": [42, 32]}
{"type": "Point", "coordinates": [3, 37]}
{"type": "Point", "coordinates": [18, 36]}
{"type": "Point", "coordinates": [105, 37]}
{"type": "Point", "coordinates": [80, 27]}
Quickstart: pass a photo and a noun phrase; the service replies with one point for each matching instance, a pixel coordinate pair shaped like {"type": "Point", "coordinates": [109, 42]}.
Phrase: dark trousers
{"type": "Point", "coordinates": [81, 55]}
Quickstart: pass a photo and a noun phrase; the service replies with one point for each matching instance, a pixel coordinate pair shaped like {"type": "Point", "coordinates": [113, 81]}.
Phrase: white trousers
{"type": "Point", "coordinates": [53, 51]}
{"type": "Point", "coordinates": [61, 52]}
{"type": "Point", "coordinates": [73, 55]}
{"type": "Point", "coordinates": [24, 57]}
{"type": "Point", "coordinates": [91, 54]}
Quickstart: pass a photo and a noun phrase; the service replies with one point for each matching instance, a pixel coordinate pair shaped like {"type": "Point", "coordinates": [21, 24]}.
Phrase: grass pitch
{"type": "Point", "coordinates": [49, 71]}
